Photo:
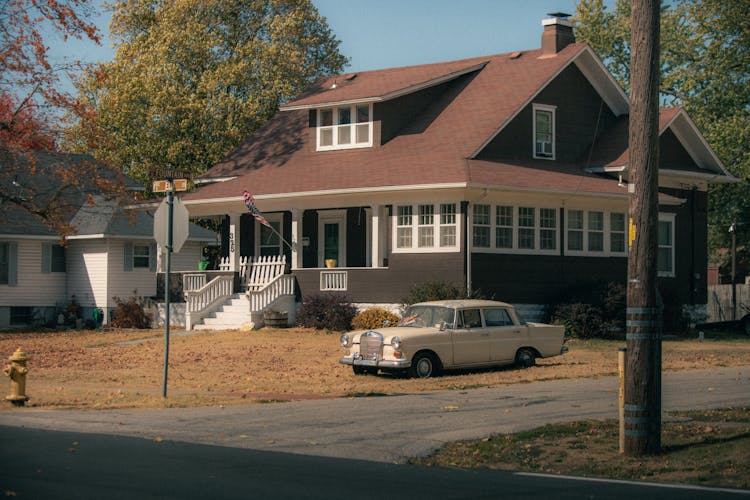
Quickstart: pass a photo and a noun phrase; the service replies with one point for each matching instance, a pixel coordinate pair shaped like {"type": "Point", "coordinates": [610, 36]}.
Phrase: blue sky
{"type": "Point", "coordinates": [378, 34]}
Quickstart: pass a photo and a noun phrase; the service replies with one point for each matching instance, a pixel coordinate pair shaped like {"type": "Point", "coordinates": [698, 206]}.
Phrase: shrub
{"type": "Point", "coordinates": [327, 312]}
{"type": "Point", "coordinates": [130, 314]}
{"type": "Point", "coordinates": [374, 318]}
{"type": "Point", "coordinates": [437, 290]}
{"type": "Point", "coordinates": [594, 311]}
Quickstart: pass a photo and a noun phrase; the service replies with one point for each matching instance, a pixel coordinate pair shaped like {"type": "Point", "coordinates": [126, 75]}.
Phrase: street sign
{"type": "Point", "coordinates": [180, 224]}
{"type": "Point", "coordinates": [163, 186]}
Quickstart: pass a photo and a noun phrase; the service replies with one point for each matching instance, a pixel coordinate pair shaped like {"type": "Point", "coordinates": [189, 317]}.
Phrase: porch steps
{"type": "Point", "coordinates": [232, 315]}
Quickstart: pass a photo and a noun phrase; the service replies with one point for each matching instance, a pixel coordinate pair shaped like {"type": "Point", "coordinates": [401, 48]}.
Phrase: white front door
{"type": "Point", "coordinates": [332, 237]}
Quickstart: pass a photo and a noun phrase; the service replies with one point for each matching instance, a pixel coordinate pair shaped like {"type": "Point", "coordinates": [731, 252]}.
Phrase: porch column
{"type": "Point", "coordinates": [296, 239]}
{"type": "Point", "coordinates": [376, 241]}
{"type": "Point", "coordinates": [234, 242]}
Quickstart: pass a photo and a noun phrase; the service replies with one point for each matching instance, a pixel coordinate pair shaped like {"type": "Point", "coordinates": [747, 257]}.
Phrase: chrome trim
{"type": "Point", "coordinates": [383, 363]}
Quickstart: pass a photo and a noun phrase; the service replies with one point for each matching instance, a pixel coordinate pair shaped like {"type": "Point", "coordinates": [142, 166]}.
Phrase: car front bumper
{"type": "Point", "coordinates": [393, 364]}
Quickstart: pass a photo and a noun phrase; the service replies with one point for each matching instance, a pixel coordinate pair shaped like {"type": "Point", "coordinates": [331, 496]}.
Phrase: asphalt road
{"type": "Point", "coordinates": [326, 448]}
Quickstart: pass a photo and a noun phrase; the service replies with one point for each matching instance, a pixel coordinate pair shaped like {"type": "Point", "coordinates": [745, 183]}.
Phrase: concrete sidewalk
{"type": "Point", "coordinates": [391, 428]}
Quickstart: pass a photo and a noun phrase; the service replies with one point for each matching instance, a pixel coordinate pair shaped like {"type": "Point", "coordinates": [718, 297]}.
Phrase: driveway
{"type": "Point", "coordinates": [393, 428]}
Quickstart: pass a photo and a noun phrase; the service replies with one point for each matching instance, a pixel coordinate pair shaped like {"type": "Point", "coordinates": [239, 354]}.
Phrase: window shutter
{"type": "Point", "coordinates": [128, 253]}
{"type": "Point", "coordinates": [12, 264]}
{"type": "Point", "coordinates": [46, 257]}
{"type": "Point", "coordinates": [152, 259]}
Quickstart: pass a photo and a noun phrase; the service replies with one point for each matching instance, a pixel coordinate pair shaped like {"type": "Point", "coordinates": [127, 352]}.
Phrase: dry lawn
{"type": "Point", "coordinates": [116, 369]}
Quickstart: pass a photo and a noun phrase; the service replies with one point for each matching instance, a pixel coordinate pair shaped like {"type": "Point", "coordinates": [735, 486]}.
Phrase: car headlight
{"type": "Point", "coordinates": [345, 340]}
{"type": "Point", "coordinates": [396, 343]}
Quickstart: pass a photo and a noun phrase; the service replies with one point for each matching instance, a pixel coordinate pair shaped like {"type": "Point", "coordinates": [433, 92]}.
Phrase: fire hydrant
{"type": "Point", "coordinates": [17, 371]}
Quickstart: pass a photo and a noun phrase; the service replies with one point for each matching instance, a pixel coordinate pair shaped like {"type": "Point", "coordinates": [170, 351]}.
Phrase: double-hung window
{"type": "Point", "coordinates": [344, 127]}
{"type": "Point", "coordinates": [503, 226]}
{"type": "Point", "coordinates": [595, 233]}
{"type": "Point", "coordinates": [269, 238]}
{"type": "Point", "coordinates": [514, 229]}
{"type": "Point", "coordinates": [426, 227]}
{"type": "Point", "coordinates": [5, 263]}
{"type": "Point", "coordinates": [665, 250]}
{"type": "Point", "coordinates": [481, 229]}
{"type": "Point", "coordinates": [141, 256]}
{"type": "Point", "coordinates": [544, 131]}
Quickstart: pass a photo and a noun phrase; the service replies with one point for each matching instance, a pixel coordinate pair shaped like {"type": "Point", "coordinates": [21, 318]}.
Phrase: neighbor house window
{"type": "Point", "coordinates": [427, 227]}
{"type": "Point", "coordinates": [595, 232]}
{"type": "Point", "coordinates": [53, 258]}
{"type": "Point", "coordinates": [345, 127]}
{"type": "Point", "coordinates": [544, 131]}
{"type": "Point", "coordinates": [665, 251]}
{"type": "Point", "coordinates": [141, 256]}
{"type": "Point", "coordinates": [4, 263]}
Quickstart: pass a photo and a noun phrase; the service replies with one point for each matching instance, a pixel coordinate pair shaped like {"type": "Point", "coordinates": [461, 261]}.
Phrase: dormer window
{"type": "Point", "coordinates": [345, 127]}
{"type": "Point", "coordinates": [544, 131]}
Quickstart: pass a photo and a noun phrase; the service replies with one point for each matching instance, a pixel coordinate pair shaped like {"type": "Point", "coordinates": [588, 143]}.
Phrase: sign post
{"type": "Point", "coordinates": [165, 228]}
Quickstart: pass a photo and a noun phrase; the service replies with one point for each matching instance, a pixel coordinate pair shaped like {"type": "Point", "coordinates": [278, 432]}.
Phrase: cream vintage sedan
{"type": "Point", "coordinates": [447, 334]}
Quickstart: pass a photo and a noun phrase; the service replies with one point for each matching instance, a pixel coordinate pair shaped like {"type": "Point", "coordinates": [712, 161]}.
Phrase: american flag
{"type": "Point", "coordinates": [253, 209]}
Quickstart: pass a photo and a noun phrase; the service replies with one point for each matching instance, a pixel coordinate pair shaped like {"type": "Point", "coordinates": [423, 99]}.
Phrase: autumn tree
{"type": "Point", "coordinates": [705, 67]}
{"type": "Point", "coordinates": [191, 79]}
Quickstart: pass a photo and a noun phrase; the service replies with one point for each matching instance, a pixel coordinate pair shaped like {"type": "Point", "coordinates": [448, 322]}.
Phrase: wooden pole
{"type": "Point", "coordinates": [643, 318]}
{"type": "Point", "coordinates": [621, 357]}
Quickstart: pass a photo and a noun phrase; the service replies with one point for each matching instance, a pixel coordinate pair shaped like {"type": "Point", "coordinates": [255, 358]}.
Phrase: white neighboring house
{"type": "Point", "coordinates": [113, 254]}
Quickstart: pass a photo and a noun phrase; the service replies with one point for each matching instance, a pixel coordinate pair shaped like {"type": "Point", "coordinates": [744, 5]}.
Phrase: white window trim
{"type": "Point", "coordinates": [537, 231]}
{"type": "Point", "coordinates": [668, 217]}
{"type": "Point", "coordinates": [436, 248]}
{"type": "Point", "coordinates": [607, 251]}
{"type": "Point", "coordinates": [551, 109]}
{"type": "Point", "coordinates": [335, 127]}
{"type": "Point", "coordinates": [148, 255]}
{"type": "Point", "coordinates": [270, 218]}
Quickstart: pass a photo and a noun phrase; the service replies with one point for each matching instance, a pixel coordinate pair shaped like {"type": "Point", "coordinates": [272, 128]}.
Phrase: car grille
{"type": "Point", "coordinates": [371, 345]}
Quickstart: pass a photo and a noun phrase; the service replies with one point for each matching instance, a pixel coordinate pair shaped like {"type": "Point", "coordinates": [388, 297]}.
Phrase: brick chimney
{"type": "Point", "coordinates": [557, 34]}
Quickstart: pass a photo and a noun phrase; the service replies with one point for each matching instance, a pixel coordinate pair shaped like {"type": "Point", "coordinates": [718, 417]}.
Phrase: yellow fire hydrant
{"type": "Point", "coordinates": [17, 371]}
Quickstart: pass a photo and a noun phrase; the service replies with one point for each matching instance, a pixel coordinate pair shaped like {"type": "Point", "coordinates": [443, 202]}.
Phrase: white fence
{"type": "Point", "coordinates": [334, 280]}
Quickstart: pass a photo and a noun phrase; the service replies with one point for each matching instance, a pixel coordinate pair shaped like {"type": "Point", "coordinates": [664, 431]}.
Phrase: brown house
{"type": "Point", "coordinates": [504, 173]}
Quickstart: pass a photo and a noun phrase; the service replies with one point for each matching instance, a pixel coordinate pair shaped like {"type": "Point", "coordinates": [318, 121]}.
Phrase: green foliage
{"type": "Point", "coordinates": [130, 314]}
{"type": "Point", "coordinates": [705, 66]}
{"type": "Point", "coordinates": [374, 318]}
{"type": "Point", "coordinates": [436, 290]}
{"type": "Point", "coordinates": [192, 79]}
{"type": "Point", "coordinates": [333, 312]}
{"type": "Point", "coordinates": [593, 311]}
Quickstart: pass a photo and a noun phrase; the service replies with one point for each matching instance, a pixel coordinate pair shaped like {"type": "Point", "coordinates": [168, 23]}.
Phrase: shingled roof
{"type": "Point", "coordinates": [442, 142]}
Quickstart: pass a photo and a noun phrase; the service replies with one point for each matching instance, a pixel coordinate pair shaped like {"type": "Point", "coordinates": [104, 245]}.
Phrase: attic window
{"type": "Point", "coordinates": [544, 131]}
{"type": "Point", "coordinates": [344, 127]}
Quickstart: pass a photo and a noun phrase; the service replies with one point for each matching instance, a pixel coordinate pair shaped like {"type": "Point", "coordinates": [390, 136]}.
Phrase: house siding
{"type": "Point", "coordinates": [34, 288]}
{"type": "Point", "coordinates": [88, 272]}
{"type": "Point", "coordinates": [140, 282]}
{"type": "Point", "coordinates": [581, 116]}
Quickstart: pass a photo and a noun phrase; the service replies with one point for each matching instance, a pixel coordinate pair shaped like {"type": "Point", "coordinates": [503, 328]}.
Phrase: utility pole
{"type": "Point", "coordinates": [733, 232]}
{"type": "Point", "coordinates": [643, 315]}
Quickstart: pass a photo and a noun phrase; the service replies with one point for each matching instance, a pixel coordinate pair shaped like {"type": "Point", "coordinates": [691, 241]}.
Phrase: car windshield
{"type": "Point", "coordinates": [424, 316]}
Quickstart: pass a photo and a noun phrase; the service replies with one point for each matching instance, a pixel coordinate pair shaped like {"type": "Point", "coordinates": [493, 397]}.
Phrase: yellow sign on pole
{"type": "Point", "coordinates": [631, 232]}
{"type": "Point", "coordinates": [163, 186]}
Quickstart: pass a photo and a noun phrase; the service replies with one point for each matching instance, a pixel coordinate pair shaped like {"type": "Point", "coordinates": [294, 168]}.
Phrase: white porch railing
{"type": "Point", "coordinates": [334, 280]}
{"type": "Point", "coordinates": [192, 282]}
{"type": "Point", "coordinates": [201, 302]}
{"type": "Point", "coordinates": [263, 297]}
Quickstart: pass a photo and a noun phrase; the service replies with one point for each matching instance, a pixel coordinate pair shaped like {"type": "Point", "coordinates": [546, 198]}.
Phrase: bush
{"type": "Point", "coordinates": [327, 312]}
{"type": "Point", "coordinates": [596, 311]}
{"type": "Point", "coordinates": [374, 318]}
{"type": "Point", "coordinates": [130, 314]}
{"type": "Point", "coordinates": [437, 290]}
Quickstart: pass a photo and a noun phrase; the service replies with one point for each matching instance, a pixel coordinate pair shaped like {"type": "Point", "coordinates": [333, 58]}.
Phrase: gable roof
{"type": "Point", "coordinates": [34, 171]}
{"type": "Point", "coordinates": [438, 148]}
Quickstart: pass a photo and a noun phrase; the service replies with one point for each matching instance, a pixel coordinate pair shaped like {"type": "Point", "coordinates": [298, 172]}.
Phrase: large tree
{"type": "Point", "coordinates": [705, 67]}
{"type": "Point", "coordinates": [32, 102]}
{"type": "Point", "coordinates": [192, 78]}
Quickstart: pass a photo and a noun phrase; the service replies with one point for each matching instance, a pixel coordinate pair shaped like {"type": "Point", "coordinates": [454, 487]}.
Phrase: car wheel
{"type": "Point", "coordinates": [525, 358]}
{"type": "Point", "coordinates": [359, 370]}
{"type": "Point", "coordinates": [424, 365]}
